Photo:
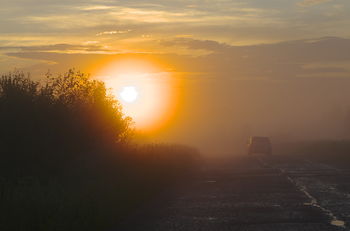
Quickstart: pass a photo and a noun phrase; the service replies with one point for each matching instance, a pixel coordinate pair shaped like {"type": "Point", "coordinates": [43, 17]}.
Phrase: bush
{"type": "Point", "coordinates": [46, 126]}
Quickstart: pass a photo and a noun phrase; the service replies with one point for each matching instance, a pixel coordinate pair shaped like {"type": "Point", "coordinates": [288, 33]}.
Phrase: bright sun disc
{"type": "Point", "coordinates": [129, 94]}
{"type": "Point", "coordinates": [144, 91]}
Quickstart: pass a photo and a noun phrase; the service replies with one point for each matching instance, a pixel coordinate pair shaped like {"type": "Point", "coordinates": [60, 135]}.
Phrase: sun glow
{"type": "Point", "coordinates": [144, 91]}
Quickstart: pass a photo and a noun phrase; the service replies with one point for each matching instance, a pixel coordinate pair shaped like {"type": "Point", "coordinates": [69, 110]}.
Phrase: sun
{"type": "Point", "coordinates": [144, 90]}
{"type": "Point", "coordinates": [129, 94]}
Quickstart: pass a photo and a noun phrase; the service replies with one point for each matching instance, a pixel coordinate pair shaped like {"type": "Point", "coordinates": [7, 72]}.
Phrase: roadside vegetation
{"type": "Point", "coordinates": [67, 160]}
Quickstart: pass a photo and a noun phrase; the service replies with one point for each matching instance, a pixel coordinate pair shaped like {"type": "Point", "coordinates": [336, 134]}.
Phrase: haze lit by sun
{"type": "Point", "coordinates": [143, 90]}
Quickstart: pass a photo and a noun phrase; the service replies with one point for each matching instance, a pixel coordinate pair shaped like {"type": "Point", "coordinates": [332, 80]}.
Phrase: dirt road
{"type": "Point", "coordinates": [254, 193]}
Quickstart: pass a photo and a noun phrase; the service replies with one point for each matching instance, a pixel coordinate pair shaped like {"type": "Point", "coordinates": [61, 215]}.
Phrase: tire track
{"type": "Point", "coordinates": [303, 189]}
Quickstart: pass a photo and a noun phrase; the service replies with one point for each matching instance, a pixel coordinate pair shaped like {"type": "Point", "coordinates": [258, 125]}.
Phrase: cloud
{"type": "Point", "coordinates": [195, 44]}
{"type": "Point", "coordinates": [238, 21]}
{"type": "Point", "coordinates": [95, 7]}
{"type": "Point", "coordinates": [61, 48]}
{"type": "Point", "coordinates": [324, 57]}
{"type": "Point", "coordinates": [113, 32]}
{"type": "Point", "coordinates": [307, 3]}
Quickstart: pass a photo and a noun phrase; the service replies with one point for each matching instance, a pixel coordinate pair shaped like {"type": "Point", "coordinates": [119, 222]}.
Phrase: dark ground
{"type": "Point", "coordinates": [253, 193]}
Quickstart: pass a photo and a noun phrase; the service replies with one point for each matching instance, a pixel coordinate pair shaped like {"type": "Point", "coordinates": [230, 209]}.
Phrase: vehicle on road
{"type": "Point", "coordinates": [259, 145]}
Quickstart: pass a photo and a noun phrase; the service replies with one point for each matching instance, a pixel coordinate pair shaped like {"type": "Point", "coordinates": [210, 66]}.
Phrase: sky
{"type": "Point", "coordinates": [279, 68]}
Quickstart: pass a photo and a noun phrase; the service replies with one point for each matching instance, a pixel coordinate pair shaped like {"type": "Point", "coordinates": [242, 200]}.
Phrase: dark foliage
{"type": "Point", "coordinates": [47, 126]}
{"type": "Point", "coordinates": [65, 158]}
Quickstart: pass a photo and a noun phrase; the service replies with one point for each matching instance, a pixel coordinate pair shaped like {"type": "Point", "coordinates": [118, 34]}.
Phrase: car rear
{"type": "Point", "coordinates": [259, 145]}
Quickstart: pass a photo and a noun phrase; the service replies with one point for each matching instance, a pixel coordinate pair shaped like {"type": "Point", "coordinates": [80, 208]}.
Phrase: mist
{"type": "Point", "coordinates": [289, 91]}
{"type": "Point", "coordinates": [219, 117]}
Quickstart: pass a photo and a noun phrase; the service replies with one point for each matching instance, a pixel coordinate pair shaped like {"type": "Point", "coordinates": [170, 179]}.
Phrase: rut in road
{"type": "Point", "coordinates": [319, 182]}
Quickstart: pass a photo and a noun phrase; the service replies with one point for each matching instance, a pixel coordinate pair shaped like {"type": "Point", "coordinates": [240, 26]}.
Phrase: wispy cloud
{"type": "Point", "coordinates": [113, 32]}
{"type": "Point", "coordinates": [194, 44]}
{"type": "Point", "coordinates": [95, 7]}
{"type": "Point", "coordinates": [89, 47]}
{"type": "Point", "coordinates": [307, 3]}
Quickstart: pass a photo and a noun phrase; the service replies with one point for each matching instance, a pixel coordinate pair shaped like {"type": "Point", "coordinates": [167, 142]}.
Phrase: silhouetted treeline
{"type": "Point", "coordinates": [66, 158]}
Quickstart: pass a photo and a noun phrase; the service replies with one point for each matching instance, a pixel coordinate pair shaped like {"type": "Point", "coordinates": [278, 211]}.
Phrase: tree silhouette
{"type": "Point", "coordinates": [45, 125]}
